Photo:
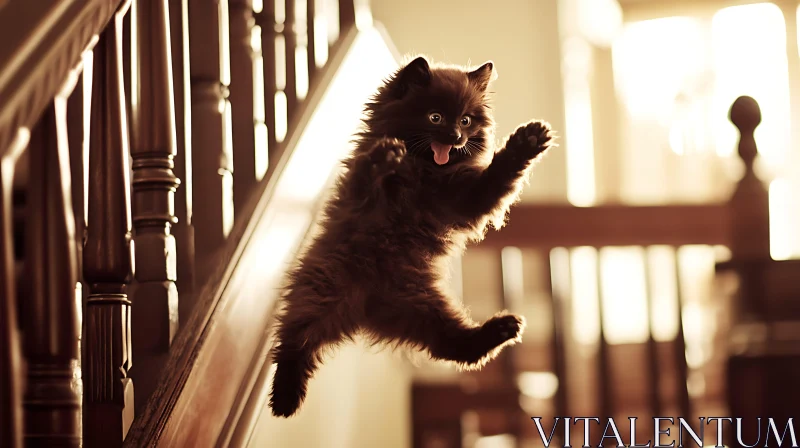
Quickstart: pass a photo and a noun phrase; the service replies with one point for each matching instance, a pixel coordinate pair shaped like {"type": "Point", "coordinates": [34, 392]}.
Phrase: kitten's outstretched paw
{"type": "Point", "coordinates": [386, 155]}
{"type": "Point", "coordinates": [500, 329]}
{"type": "Point", "coordinates": [531, 139]}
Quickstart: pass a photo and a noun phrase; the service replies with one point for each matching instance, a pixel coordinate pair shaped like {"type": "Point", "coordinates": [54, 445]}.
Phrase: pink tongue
{"type": "Point", "coordinates": [441, 152]}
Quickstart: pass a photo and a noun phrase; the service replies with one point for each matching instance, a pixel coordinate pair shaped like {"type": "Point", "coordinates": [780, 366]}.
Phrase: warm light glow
{"type": "Point", "coordinates": [281, 119]}
{"type": "Point", "coordinates": [259, 110]}
{"type": "Point", "coordinates": [261, 150]}
{"type": "Point", "coordinates": [663, 290]}
{"type": "Point", "coordinates": [314, 158]}
{"type": "Point", "coordinates": [255, 39]}
{"type": "Point", "coordinates": [258, 6]}
{"type": "Point", "coordinates": [696, 270]}
{"type": "Point", "coordinates": [784, 242]}
{"type": "Point", "coordinates": [227, 176]}
{"type": "Point", "coordinates": [579, 133]}
{"type": "Point", "coordinates": [653, 61]}
{"type": "Point", "coordinates": [539, 385]}
{"type": "Point", "coordinates": [624, 294]}
{"type": "Point", "coordinates": [224, 45]}
{"type": "Point", "coordinates": [280, 12]}
{"type": "Point", "coordinates": [332, 14]}
{"type": "Point", "coordinates": [584, 307]}
{"type": "Point", "coordinates": [759, 31]}
{"type": "Point", "coordinates": [88, 71]}
{"type": "Point", "coordinates": [498, 441]}
{"type": "Point", "coordinates": [513, 278]}
{"type": "Point", "coordinates": [325, 140]}
{"type": "Point", "coordinates": [599, 20]}
{"type": "Point", "coordinates": [186, 183]}
{"type": "Point", "coordinates": [301, 71]}
{"type": "Point", "coordinates": [320, 40]}
{"type": "Point", "coordinates": [363, 14]}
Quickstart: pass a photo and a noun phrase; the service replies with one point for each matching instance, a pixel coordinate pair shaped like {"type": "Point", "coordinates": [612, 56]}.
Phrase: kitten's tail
{"type": "Point", "coordinates": [289, 386]}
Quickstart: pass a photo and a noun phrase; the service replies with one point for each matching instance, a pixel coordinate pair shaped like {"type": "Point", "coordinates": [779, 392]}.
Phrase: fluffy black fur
{"type": "Point", "coordinates": [396, 212]}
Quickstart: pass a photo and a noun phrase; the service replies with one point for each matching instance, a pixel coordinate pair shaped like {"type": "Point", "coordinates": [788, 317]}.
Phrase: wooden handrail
{"type": "Point", "coordinates": [546, 226]}
{"type": "Point", "coordinates": [42, 43]}
{"type": "Point", "coordinates": [157, 79]}
{"type": "Point", "coordinates": [173, 94]}
{"type": "Point", "coordinates": [170, 415]}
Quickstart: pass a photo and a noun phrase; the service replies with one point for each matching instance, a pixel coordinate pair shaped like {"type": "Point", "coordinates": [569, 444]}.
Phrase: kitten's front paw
{"type": "Point", "coordinates": [499, 329]}
{"type": "Point", "coordinates": [386, 155]}
{"type": "Point", "coordinates": [531, 139]}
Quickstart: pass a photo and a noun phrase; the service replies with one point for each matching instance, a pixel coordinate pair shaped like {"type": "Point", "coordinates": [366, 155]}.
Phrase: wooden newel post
{"type": "Point", "coordinates": [749, 205]}
{"type": "Point", "coordinates": [107, 258]}
{"type": "Point", "coordinates": [749, 214]}
{"type": "Point", "coordinates": [153, 148]}
{"type": "Point", "coordinates": [49, 305]}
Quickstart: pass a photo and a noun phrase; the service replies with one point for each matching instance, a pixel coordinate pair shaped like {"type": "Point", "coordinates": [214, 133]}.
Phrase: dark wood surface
{"type": "Point", "coordinates": [547, 226]}
{"type": "Point", "coordinates": [183, 229]}
{"type": "Point", "coordinates": [211, 161]}
{"type": "Point", "coordinates": [11, 362]}
{"type": "Point", "coordinates": [36, 64]}
{"type": "Point", "coordinates": [177, 104]}
{"type": "Point", "coordinates": [213, 362]}
{"type": "Point", "coordinates": [48, 303]}
{"type": "Point", "coordinates": [107, 258]}
{"type": "Point", "coordinates": [242, 89]}
{"type": "Point", "coordinates": [154, 315]}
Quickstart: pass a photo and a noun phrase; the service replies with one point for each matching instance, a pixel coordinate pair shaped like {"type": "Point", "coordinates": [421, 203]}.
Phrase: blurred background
{"type": "Point", "coordinates": [655, 253]}
{"type": "Point", "coordinates": [639, 92]}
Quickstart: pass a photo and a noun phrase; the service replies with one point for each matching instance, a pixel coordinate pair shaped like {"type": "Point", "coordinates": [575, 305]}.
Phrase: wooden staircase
{"type": "Point", "coordinates": [144, 148]}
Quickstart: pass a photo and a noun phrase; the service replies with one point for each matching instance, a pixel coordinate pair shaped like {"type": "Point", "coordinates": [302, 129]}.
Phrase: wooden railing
{"type": "Point", "coordinates": [136, 140]}
{"type": "Point", "coordinates": [767, 297]}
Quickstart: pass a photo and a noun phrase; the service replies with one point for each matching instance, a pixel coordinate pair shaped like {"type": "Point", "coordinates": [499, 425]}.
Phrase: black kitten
{"type": "Point", "coordinates": [423, 179]}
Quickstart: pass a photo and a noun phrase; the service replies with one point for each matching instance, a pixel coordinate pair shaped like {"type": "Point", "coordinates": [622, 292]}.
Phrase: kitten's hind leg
{"type": "Point", "coordinates": [303, 333]}
{"type": "Point", "coordinates": [429, 320]}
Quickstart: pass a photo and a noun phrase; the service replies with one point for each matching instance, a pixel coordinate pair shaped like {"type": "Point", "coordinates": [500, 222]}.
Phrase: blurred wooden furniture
{"type": "Point", "coordinates": [763, 353]}
{"type": "Point", "coordinates": [137, 143]}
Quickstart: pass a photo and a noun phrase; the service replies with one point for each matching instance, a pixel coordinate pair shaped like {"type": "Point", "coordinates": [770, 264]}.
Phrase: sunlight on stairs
{"type": "Point", "coordinates": [344, 395]}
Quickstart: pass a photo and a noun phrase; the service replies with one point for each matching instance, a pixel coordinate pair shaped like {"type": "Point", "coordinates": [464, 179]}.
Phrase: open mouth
{"type": "Point", "coordinates": [441, 152]}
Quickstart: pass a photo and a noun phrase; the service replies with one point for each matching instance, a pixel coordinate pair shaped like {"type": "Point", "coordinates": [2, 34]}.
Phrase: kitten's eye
{"type": "Point", "coordinates": [466, 120]}
{"type": "Point", "coordinates": [435, 118]}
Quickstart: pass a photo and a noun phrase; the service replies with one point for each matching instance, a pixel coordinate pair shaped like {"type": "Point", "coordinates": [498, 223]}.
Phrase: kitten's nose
{"type": "Point", "coordinates": [454, 136]}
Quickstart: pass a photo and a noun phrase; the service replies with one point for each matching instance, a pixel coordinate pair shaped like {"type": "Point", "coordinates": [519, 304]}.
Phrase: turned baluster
{"type": "Point", "coordinates": [311, 44]}
{"type": "Point", "coordinates": [290, 55]}
{"type": "Point", "coordinates": [211, 143]}
{"type": "Point", "coordinates": [10, 358]}
{"type": "Point", "coordinates": [154, 295]}
{"type": "Point", "coordinates": [75, 137]}
{"type": "Point", "coordinates": [347, 15]}
{"type": "Point", "coordinates": [749, 211]}
{"type": "Point", "coordinates": [242, 101]}
{"type": "Point", "coordinates": [107, 392]}
{"type": "Point", "coordinates": [183, 230]}
{"type": "Point", "coordinates": [49, 306]}
{"type": "Point", "coordinates": [265, 19]}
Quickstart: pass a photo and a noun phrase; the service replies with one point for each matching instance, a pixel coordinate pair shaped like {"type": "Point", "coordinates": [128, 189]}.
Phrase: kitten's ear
{"type": "Point", "coordinates": [415, 73]}
{"type": "Point", "coordinates": [483, 75]}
